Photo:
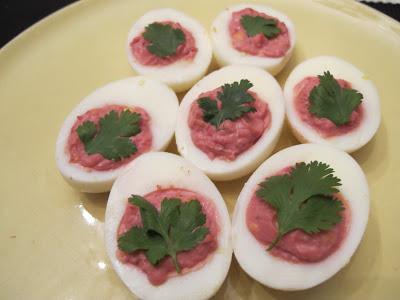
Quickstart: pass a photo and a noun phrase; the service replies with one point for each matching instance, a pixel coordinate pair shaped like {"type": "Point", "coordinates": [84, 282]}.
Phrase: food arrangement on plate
{"type": "Point", "coordinates": [303, 211]}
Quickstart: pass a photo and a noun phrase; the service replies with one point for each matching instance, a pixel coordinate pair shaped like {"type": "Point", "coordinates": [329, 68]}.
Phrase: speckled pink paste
{"type": "Point", "coordinates": [186, 51]}
{"type": "Point", "coordinates": [232, 138]}
{"type": "Point", "coordinates": [76, 148]}
{"type": "Point", "coordinates": [188, 260]}
{"type": "Point", "coordinates": [296, 246]}
{"type": "Point", "coordinates": [323, 126]}
{"type": "Point", "coordinates": [258, 45]}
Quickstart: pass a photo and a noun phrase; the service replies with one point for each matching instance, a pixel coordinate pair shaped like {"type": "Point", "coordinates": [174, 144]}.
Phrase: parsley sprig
{"type": "Point", "coordinates": [233, 98]}
{"type": "Point", "coordinates": [179, 226]}
{"type": "Point", "coordinates": [163, 38]}
{"type": "Point", "coordinates": [112, 138]}
{"type": "Point", "coordinates": [303, 199]}
{"type": "Point", "coordinates": [329, 100]}
{"type": "Point", "coordinates": [254, 25]}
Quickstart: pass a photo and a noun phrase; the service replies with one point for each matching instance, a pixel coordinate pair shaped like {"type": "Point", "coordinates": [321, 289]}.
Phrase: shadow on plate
{"type": "Point", "coordinates": [94, 204]}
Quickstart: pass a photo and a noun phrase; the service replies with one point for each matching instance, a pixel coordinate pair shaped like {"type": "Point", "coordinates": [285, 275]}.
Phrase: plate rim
{"type": "Point", "coordinates": [388, 22]}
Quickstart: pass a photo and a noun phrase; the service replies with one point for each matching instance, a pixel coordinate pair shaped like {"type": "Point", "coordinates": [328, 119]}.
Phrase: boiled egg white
{"type": "Point", "coordinates": [359, 81]}
{"type": "Point", "coordinates": [156, 98]}
{"type": "Point", "coordinates": [267, 89]}
{"type": "Point", "coordinates": [281, 274]}
{"type": "Point", "coordinates": [146, 174]}
{"type": "Point", "coordinates": [180, 75]}
{"type": "Point", "coordinates": [226, 54]}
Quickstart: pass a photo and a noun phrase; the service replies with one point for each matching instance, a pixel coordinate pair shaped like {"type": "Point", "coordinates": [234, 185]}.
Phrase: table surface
{"type": "Point", "coordinates": [17, 15]}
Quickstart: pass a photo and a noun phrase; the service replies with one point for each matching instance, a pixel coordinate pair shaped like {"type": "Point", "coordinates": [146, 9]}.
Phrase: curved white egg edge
{"type": "Point", "coordinates": [164, 169]}
{"type": "Point", "coordinates": [342, 70]}
{"type": "Point", "coordinates": [226, 54]}
{"type": "Point", "coordinates": [182, 74]}
{"type": "Point", "coordinates": [137, 91]}
{"type": "Point", "coordinates": [280, 274]}
{"type": "Point", "coordinates": [267, 88]}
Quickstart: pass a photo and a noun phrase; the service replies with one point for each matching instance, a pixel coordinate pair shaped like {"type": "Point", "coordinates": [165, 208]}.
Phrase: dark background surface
{"type": "Point", "coordinates": [17, 15]}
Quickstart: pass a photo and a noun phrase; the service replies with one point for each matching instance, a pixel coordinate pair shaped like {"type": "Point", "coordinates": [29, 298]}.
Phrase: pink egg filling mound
{"type": "Point", "coordinates": [323, 126]}
{"type": "Point", "coordinates": [76, 148]}
{"type": "Point", "coordinates": [258, 45]}
{"type": "Point", "coordinates": [233, 137]}
{"type": "Point", "coordinates": [186, 51]}
{"type": "Point", "coordinates": [296, 246]}
{"type": "Point", "coordinates": [188, 260]}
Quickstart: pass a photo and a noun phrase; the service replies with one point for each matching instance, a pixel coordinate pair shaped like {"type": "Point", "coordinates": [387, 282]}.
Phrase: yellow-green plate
{"type": "Point", "coordinates": [51, 237]}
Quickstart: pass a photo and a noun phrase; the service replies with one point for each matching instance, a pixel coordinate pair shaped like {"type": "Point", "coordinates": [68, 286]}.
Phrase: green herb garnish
{"type": "Point", "coordinates": [233, 97]}
{"type": "Point", "coordinates": [329, 100]}
{"type": "Point", "coordinates": [177, 227]}
{"type": "Point", "coordinates": [256, 24]}
{"type": "Point", "coordinates": [163, 38]}
{"type": "Point", "coordinates": [111, 140]}
{"type": "Point", "coordinates": [304, 199]}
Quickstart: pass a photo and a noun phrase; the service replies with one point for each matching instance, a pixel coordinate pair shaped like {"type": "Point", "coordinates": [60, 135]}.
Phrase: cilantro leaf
{"type": "Point", "coordinates": [111, 140]}
{"type": "Point", "coordinates": [210, 110]}
{"type": "Point", "coordinates": [329, 100]}
{"type": "Point", "coordinates": [314, 178]}
{"type": "Point", "coordinates": [304, 199]}
{"type": "Point", "coordinates": [177, 227]}
{"type": "Point", "coordinates": [163, 38]}
{"type": "Point", "coordinates": [256, 24]}
{"type": "Point", "coordinates": [233, 97]}
{"type": "Point", "coordinates": [319, 213]}
{"type": "Point", "coordinates": [86, 131]}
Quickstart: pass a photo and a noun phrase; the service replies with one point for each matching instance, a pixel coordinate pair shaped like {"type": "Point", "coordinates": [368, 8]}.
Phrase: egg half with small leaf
{"type": "Point", "coordinates": [111, 127]}
{"type": "Point", "coordinates": [253, 34]}
{"type": "Point", "coordinates": [330, 101]}
{"type": "Point", "coordinates": [230, 121]}
{"type": "Point", "coordinates": [300, 217]}
{"type": "Point", "coordinates": [168, 45]}
{"type": "Point", "coordinates": [167, 229]}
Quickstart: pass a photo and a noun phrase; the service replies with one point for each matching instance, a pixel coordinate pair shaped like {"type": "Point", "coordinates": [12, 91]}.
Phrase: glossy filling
{"type": "Point", "coordinates": [76, 148]}
{"type": "Point", "coordinates": [258, 45]}
{"type": "Point", "coordinates": [188, 260]}
{"type": "Point", "coordinates": [232, 138]}
{"type": "Point", "coordinates": [186, 51]}
{"type": "Point", "coordinates": [323, 126]}
{"type": "Point", "coordinates": [296, 246]}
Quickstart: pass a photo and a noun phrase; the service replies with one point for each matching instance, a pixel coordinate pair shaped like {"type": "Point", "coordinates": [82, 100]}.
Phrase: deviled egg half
{"type": "Point", "coordinates": [170, 46]}
{"type": "Point", "coordinates": [253, 34]}
{"type": "Point", "coordinates": [329, 101]}
{"type": "Point", "coordinates": [167, 229]}
{"type": "Point", "coordinates": [300, 217]}
{"type": "Point", "coordinates": [112, 126]}
{"type": "Point", "coordinates": [230, 121]}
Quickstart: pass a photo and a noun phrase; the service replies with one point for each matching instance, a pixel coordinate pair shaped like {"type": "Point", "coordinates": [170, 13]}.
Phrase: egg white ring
{"type": "Point", "coordinates": [226, 54]}
{"type": "Point", "coordinates": [267, 89]}
{"type": "Point", "coordinates": [276, 272]}
{"type": "Point", "coordinates": [156, 98]}
{"type": "Point", "coordinates": [182, 74]}
{"type": "Point", "coordinates": [340, 69]}
{"type": "Point", "coordinates": [146, 173]}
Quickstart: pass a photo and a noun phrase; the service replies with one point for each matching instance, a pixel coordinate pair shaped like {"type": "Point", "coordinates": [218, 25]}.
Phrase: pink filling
{"type": "Point", "coordinates": [258, 45]}
{"type": "Point", "coordinates": [323, 126]}
{"type": "Point", "coordinates": [296, 246]}
{"type": "Point", "coordinates": [233, 137]}
{"type": "Point", "coordinates": [96, 161]}
{"type": "Point", "coordinates": [186, 51]}
{"type": "Point", "coordinates": [188, 260]}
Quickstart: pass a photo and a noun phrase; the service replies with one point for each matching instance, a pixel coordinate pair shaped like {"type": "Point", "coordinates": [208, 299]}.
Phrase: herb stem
{"type": "Point", "coordinates": [175, 260]}
{"type": "Point", "coordinates": [171, 250]}
{"type": "Point", "coordinates": [275, 241]}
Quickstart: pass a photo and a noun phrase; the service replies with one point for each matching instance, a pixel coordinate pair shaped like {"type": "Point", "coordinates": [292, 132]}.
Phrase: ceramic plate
{"type": "Point", "coordinates": [51, 237]}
